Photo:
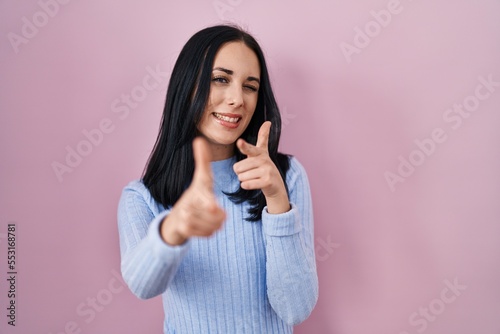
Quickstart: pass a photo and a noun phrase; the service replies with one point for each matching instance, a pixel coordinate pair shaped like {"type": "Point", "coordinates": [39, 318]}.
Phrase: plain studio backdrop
{"type": "Point", "coordinates": [391, 106]}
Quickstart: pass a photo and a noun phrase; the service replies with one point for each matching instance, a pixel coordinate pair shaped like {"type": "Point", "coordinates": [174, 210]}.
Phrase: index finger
{"type": "Point", "coordinates": [263, 136]}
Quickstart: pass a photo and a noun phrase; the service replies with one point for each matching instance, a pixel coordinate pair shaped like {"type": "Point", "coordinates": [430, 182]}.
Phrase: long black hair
{"type": "Point", "coordinates": [170, 167]}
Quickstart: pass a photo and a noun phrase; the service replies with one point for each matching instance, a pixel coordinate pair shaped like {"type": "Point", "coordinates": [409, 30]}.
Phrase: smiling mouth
{"type": "Point", "coordinates": [228, 119]}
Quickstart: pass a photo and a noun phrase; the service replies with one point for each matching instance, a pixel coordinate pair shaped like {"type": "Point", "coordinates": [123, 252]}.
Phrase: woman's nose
{"type": "Point", "coordinates": [235, 96]}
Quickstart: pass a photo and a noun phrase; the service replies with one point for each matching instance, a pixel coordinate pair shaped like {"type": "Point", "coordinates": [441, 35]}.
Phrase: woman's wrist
{"type": "Point", "coordinates": [278, 204]}
{"type": "Point", "coordinates": [169, 234]}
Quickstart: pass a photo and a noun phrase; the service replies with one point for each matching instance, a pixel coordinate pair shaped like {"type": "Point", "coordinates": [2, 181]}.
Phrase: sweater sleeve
{"type": "Point", "coordinates": [292, 281]}
{"type": "Point", "coordinates": [148, 264]}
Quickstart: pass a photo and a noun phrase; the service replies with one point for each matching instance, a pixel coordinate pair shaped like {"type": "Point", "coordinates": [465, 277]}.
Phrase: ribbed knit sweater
{"type": "Point", "coordinates": [248, 277]}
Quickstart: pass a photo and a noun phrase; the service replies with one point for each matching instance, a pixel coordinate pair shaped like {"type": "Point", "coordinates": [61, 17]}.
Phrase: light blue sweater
{"type": "Point", "coordinates": [249, 277]}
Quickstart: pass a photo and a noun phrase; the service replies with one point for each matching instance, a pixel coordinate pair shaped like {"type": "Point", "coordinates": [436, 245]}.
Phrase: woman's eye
{"type": "Point", "coordinates": [252, 88]}
{"type": "Point", "coordinates": [220, 79]}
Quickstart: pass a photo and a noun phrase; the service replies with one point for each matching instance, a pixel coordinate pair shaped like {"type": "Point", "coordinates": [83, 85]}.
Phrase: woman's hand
{"type": "Point", "coordinates": [258, 171]}
{"type": "Point", "coordinates": [196, 213]}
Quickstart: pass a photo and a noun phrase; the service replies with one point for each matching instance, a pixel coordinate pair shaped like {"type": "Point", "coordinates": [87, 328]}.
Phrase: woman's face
{"type": "Point", "coordinates": [232, 100]}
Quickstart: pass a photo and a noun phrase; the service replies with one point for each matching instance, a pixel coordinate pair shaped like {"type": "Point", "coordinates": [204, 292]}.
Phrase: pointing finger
{"type": "Point", "coordinates": [263, 137]}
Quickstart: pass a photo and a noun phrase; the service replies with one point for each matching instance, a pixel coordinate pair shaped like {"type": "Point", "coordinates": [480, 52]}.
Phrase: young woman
{"type": "Point", "coordinates": [221, 224]}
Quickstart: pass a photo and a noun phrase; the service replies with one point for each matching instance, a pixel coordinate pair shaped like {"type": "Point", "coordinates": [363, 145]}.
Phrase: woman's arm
{"type": "Point", "coordinates": [152, 247]}
{"type": "Point", "coordinates": [292, 281]}
{"type": "Point", "coordinates": [287, 223]}
{"type": "Point", "coordinates": [148, 263]}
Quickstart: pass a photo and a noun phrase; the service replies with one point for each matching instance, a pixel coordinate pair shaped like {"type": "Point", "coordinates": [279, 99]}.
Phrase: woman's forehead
{"type": "Point", "coordinates": [238, 58]}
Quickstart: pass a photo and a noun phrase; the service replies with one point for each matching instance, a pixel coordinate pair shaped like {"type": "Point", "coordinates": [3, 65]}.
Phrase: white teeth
{"type": "Point", "coordinates": [225, 118]}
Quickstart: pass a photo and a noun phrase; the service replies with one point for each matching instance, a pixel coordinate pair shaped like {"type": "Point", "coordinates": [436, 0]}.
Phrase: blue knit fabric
{"type": "Point", "coordinates": [249, 277]}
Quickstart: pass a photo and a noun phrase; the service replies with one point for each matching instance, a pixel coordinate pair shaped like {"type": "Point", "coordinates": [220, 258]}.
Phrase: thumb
{"type": "Point", "coordinates": [247, 148]}
{"type": "Point", "coordinates": [202, 159]}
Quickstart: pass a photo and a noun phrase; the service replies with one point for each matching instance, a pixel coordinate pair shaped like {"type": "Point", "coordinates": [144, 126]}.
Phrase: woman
{"type": "Point", "coordinates": [221, 224]}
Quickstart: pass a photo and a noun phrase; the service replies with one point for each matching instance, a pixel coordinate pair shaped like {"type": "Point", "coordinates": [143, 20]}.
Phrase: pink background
{"type": "Point", "coordinates": [384, 257]}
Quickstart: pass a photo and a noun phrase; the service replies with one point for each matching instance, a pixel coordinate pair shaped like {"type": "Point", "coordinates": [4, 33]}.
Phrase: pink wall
{"type": "Point", "coordinates": [357, 107]}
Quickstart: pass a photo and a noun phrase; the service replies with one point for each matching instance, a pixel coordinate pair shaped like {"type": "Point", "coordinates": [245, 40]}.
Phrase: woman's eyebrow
{"type": "Point", "coordinates": [253, 79]}
{"type": "Point", "coordinates": [230, 72]}
{"type": "Point", "coordinates": [223, 70]}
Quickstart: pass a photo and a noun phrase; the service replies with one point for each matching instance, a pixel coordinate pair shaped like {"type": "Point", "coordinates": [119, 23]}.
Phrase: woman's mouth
{"type": "Point", "coordinates": [227, 120]}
